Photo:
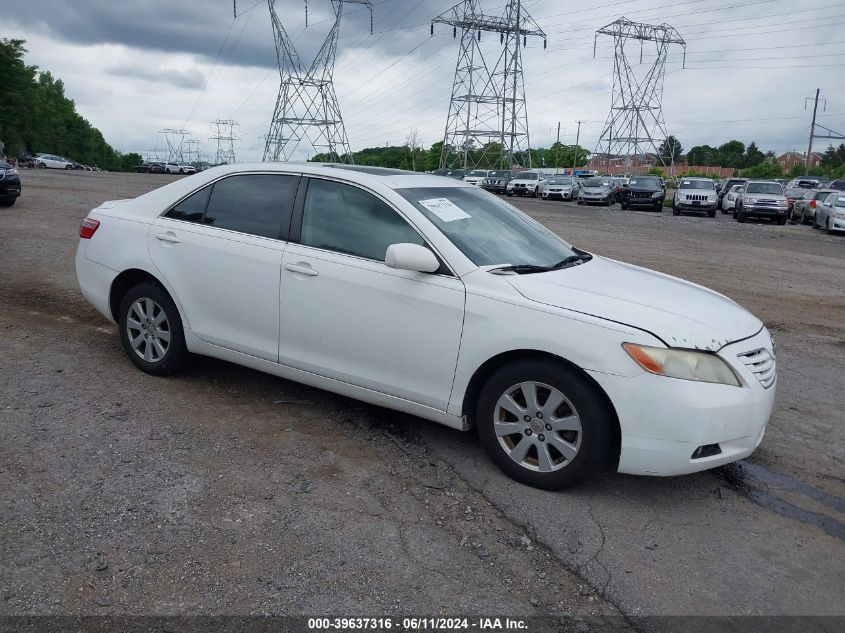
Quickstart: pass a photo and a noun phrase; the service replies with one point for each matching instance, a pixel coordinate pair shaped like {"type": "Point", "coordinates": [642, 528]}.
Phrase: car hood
{"type": "Point", "coordinates": [680, 313]}
{"type": "Point", "coordinates": [595, 189]}
{"type": "Point", "coordinates": [524, 181]}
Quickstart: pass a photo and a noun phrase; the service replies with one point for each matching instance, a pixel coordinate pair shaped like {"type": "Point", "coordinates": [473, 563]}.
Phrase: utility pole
{"type": "Point", "coordinates": [575, 153]}
{"type": "Point", "coordinates": [224, 134]}
{"type": "Point", "coordinates": [557, 145]}
{"type": "Point", "coordinates": [812, 130]}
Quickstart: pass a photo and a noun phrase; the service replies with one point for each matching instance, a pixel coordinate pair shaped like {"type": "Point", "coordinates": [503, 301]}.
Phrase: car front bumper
{"type": "Point", "coordinates": [691, 206]}
{"type": "Point", "coordinates": [494, 188]}
{"type": "Point", "coordinates": [562, 195]}
{"type": "Point", "coordinates": [10, 188]}
{"type": "Point", "coordinates": [837, 224]}
{"type": "Point", "coordinates": [644, 202]}
{"type": "Point", "coordinates": [764, 211]}
{"type": "Point", "coordinates": [594, 197]}
{"type": "Point", "coordinates": [664, 420]}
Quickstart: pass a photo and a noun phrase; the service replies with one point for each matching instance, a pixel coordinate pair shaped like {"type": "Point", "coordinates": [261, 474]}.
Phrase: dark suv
{"type": "Point", "coordinates": [497, 181]}
{"type": "Point", "coordinates": [10, 184]}
{"type": "Point", "coordinates": [644, 191]}
{"type": "Point", "coordinates": [726, 187]}
{"type": "Point", "coordinates": [837, 184]}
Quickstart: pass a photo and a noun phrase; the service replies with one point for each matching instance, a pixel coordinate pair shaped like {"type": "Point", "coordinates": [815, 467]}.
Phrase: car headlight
{"type": "Point", "coordinates": [683, 364]}
{"type": "Point", "coordinates": [782, 203]}
{"type": "Point", "coordinates": [839, 214]}
{"type": "Point", "coordinates": [752, 201]}
{"type": "Point", "coordinates": [657, 194]}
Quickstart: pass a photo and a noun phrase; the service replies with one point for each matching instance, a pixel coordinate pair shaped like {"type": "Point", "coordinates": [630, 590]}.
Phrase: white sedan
{"type": "Point", "coordinates": [50, 161]}
{"type": "Point", "coordinates": [436, 298]}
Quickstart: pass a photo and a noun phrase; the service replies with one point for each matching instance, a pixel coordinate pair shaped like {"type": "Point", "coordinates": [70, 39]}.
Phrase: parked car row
{"type": "Point", "coordinates": [53, 161]}
{"type": "Point", "coordinates": [155, 167]}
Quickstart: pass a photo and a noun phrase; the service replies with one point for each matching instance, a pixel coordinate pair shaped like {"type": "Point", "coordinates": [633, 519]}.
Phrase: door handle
{"type": "Point", "coordinates": [168, 237]}
{"type": "Point", "coordinates": [302, 269]}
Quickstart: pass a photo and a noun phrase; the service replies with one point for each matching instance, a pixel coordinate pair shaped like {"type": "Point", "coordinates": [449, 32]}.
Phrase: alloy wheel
{"type": "Point", "coordinates": [537, 426]}
{"type": "Point", "coordinates": [148, 330]}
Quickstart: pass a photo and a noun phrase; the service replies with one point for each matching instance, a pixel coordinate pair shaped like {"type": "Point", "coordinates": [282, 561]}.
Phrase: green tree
{"type": "Point", "coordinates": [36, 116]}
{"type": "Point", "coordinates": [670, 149]}
{"type": "Point", "coordinates": [753, 156]}
{"type": "Point", "coordinates": [731, 154]}
{"type": "Point", "coordinates": [702, 155]}
{"type": "Point", "coordinates": [763, 170]}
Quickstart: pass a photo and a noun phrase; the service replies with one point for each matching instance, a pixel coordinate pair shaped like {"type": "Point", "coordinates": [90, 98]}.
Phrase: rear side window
{"type": "Point", "coordinates": [252, 203]}
{"type": "Point", "coordinates": [345, 219]}
{"type": "Point", "coordinates": [191, 208]}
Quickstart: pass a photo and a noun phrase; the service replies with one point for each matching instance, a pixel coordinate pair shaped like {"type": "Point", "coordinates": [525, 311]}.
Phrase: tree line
{"type": "Point", "coordinates": [36, 116]}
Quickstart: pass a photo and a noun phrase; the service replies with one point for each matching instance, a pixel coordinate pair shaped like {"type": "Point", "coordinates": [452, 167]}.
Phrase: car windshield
{"type": "Point", "coordinates": [817, 195]}
{"type": "Point", "coordinates": [697, 184]}
{"type": "Point", "coordinates": [478, 173]}
{"type": "Point", "coordinates": [486, 229]}
{"type": "Point", "coordinates": [645, 182]}
{"type": "Point", "coordinates": [796, 192]}
{"type": "Point", "coordinates": [499, 174]}
{"type": "Point", "coordinates": [528, 175]}
{"type": "Point", "coordinates": [597, 182]}
{"type": "Point", "coordinates": [560, 181]}
{"type": "Point", "coordinates": [765, 187]}
{"type": "Point", "coordinates": [735, 188]}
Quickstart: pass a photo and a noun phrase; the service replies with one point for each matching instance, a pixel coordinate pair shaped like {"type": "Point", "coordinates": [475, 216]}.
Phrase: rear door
{"type": "Point", "coordinates": [220, 250]}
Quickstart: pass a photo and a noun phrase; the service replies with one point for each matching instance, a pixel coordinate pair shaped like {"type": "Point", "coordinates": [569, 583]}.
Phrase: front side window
{"type": "Point", "coordinates": [251, 203]}
{"type": "Point", "coordinates": [342, 218]}
{"type": "Point", "coordinates": [191, 209]}
{"type": "Point", "coordinates": [487, 230]}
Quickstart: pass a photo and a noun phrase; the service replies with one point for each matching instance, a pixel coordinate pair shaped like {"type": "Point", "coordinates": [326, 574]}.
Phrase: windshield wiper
{"type": "Point", "coordinates": [520, 269]}
{"type": "Point", "coordinates": [527, 269]}
{"type": "Point", "coordinates": [572, 260]}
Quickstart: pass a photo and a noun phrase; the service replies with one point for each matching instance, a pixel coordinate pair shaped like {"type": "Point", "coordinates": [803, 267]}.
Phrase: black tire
{"type": "Point", "coordinates": [781, 221]}
{"type": "Point", "coordinates": [803, 219]}
{"type": "Point", "coordinates": [711, 214]}
{"type": "Point", "coordinates": [580, 203]}
{"type": "Point", "coordinates": [595, 414]}
{"type": "Point", "coordinates": [68, 167]}
{"type": "Point", "coordinates": [658, 206]}
{"type": "Point", "coordinates": [8, 203]}
{"type": "Point", "coordinates": [675, 210]}
{"type": "Point", "coordinates": [176, 356]}
{"type": "Point", "coordinates": [740, 216]}
{"type": "Point", "coordinates": [42, 165]}
{"type": "Point", "coordinates": [827, 227]}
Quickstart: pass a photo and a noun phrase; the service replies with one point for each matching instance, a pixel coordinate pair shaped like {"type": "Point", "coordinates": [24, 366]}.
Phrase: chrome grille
{"type": "Point", "coordinates": [696, 196]}
{"type": "Point", "coordinates": [762, 364]}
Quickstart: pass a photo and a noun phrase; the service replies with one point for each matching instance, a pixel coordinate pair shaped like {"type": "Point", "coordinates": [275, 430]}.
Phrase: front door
{"type": "Point", "coordinates": [348, 316]}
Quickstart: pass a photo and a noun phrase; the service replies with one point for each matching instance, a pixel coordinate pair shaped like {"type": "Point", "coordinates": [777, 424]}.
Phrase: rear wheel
{"type": "Point", "coordinates": [68, 166]}
{"type": "Point", "coordinates": [827, 227]}
{"type": "Point", "coordinates": [543, 424]}
{"type": "Point", "coordinates": [151, 330]}
{"type": "Point", "coordinates": [42, 165]}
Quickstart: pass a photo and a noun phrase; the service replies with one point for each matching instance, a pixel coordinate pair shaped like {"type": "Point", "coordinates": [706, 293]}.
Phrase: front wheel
{"type": "Point", "coordinates": [675, 210]}
{"type": "Point", "coordinates": [8, 203]}
{"type": "Point", "coordinates": [151, 330]}
{"type": "Point", "coordinates": [827, 227]}
{"type": "Point", "coordinates": [740, 216]}
{"type": "Point", "coordinates": [544, 424]}
{"type": "Point", "coordinates": [782, 221]}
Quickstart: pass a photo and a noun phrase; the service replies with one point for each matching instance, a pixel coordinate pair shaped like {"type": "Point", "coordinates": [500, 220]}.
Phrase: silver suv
{"type": "Point", "coordinates": [761, 199]}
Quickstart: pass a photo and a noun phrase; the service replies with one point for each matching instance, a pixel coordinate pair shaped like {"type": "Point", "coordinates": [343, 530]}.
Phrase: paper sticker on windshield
{"type": "Point", "coordinates": [445, 209]}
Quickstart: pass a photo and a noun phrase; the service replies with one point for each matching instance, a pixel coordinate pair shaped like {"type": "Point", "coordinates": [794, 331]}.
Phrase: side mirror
{"type": "Point", "coordinates": [411, 257]}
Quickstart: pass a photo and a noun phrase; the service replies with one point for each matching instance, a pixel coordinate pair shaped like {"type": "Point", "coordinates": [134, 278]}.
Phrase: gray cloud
{"type": "Point", "coordinates": [191, 79]}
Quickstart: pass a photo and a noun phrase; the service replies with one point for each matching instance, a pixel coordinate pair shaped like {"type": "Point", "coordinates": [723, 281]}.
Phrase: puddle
{"type": "Point", "coordinates": [750, 480]}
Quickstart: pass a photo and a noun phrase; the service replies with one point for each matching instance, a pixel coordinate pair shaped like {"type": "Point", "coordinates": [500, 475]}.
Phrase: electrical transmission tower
{"type": "Point", "coordinates": [192, 151]}
{"type": "Point", "coordinates": [224, 134]}
{"type": "Point", "coordinates": [488, 118]}
{"type": "Point", "coordinates": [307, 107]}
{"type": "Point", "coordinates": [175, 141]}
{"type": "Point", "coordinates": [635, 125]}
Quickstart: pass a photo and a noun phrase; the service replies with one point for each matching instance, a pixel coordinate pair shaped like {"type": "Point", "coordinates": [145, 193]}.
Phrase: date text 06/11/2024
{"type": "Point", "coordinates": [416, 624]}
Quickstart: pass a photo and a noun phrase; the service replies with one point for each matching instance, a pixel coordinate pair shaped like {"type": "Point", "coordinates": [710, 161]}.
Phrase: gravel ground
{"type": "Point", "coordinates": [224, 490]}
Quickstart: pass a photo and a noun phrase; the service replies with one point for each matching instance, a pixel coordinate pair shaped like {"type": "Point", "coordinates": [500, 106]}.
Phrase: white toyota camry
{"type": "Point", "coordinates": [431, 296]}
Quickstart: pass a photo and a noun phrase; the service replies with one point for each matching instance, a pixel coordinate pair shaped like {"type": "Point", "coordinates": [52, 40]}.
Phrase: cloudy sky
{"type": "Point", "coordinates": [134, 68]}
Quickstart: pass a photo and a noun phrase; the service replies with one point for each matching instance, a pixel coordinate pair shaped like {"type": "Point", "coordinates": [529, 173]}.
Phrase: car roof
{"type": "Point", "coordinates": [362, 174]}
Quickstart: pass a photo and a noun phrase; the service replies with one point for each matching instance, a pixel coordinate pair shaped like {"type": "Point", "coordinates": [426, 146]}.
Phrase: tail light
{"type": "Point", "coordinates": [812, 204]}
{"type": "Point", "coordinates": [88, 228]}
